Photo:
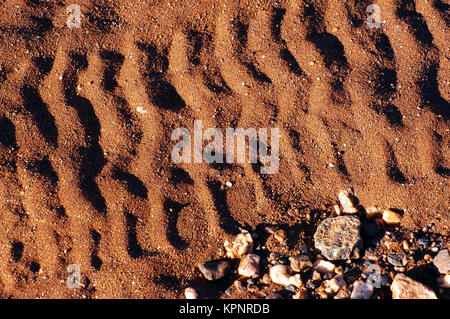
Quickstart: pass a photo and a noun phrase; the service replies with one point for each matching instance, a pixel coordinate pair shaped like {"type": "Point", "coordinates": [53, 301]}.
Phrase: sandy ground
{"type": "Point", "coordinates": [86, 116]}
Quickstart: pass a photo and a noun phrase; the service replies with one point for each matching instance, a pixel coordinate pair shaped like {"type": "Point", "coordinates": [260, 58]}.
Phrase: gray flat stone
{"type": "Point", "coordinates": [339, 238]}
{"type": "Point", "coordinates": [214, 270]}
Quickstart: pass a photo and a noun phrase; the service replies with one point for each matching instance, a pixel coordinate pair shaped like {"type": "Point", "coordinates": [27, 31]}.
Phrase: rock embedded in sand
{"type": "Point", "coordinates": [190, 293]}
{"type": "Point", "coordinates": [339, 238]}
{"type": "Point", "coordinates": [348, 202]}
{"type": "Point", "coordinates": [214, 270]}
{"type": "Point", "coordinates": [361, 290]}
{"type": "Point", "coordinates": [242, 244]}
{"type": "Point", "coordinates": [442, 262]}
{"type": "Point", "coordinates": [281, 275]}
{"type": "Point", "coordinates": [249, 266]}
{"type": "Point", "coordinates": [404, 287]}
{"type": "Point", "coordinates": [391, 218]}
{"type": "Point", "coordinates": [300, 262]}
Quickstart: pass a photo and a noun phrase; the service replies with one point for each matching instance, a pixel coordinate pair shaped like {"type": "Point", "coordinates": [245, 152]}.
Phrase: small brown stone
{"type": "Point", "coordinates": [391, 218]}
{"type": "Point", "coordinates": [300, 262]}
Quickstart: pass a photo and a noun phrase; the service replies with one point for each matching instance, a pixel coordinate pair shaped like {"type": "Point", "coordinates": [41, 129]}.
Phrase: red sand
{"type": "Point", "coordinates": [87, 179]}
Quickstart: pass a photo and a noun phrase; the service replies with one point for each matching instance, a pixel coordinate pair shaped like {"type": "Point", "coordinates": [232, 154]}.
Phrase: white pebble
{"type": "Point", "coordinates": [347, 202]}
{"type": "Point", "coordinates": [281, 275]}
{"type": "Point", "coordinates": [338, 210]}
{"type": "Point", "coordinates": [324, 266]}
{"type": "Point", "coordinates": [190, 293]}
{"type": "Point", "coordinates": [141, 110]}
{"type": "Point", "coordinates": [241, 245]}
{"type": "Point", "coordinates": [249, 266]}
{"type": "Point", "coordinates": [361, 290]}
{"type": "Point", "coordinates": [335, 284]}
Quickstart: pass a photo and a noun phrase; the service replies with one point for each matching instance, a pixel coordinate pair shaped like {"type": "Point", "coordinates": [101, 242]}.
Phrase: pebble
{"type": "Point", "coordinates": [301, 294]}
{"type": "Point", "coordinates": [405, 245]}
{"type": "Point", "coordinates": [252, 281]}
{"type": "Point", "coordinates": [249, 266]}
{"type": "Point", "coordinates": [335, 284]}
{"type": "Point", "coordinates": [343, 294]}
{"type": "Point", "coordinates": [316, 276]}
{"type": "Point", "coordinates": [372, 212]}
{"type": "Point", "coordinates": [338, 210]}
{"type": "Point", "coordinates": [403, 287]}
{"type": "Point", "coordinates": [442, 262]}
{"type": "Point", "coordinates": [190, 293]}
{"type": "Point", "coordinates": [214, 270]}
{"type": "Point", "coordinates": [273, 257]}
{"type": "Point", "coordinates": [361, 290]}
{"type": "Point", "coordinates": [291, 288]}
{"type": "Point", "coordinates": [312, 285]}
{"type": "Point", "coordinates": [339, 270]}
{"type": "Point", "coordinates": [324, 266]}
{"type": "Point", "coordinates": [348, 202]}
{"type": "Point", "coordinates": [281, 275]}
{"type": "Point", "coordinates": [396, 260]}
{"type": "Point", "coordinates": [240, 286]}
{"type": "Point", "coordinates": [339, 238]}
{"type": "Point", "coordinates": [391, 218]}
{"type": "Point", "coordinates": [265, 279]}
{"type": "Point", "coordinates": [280, 236]}
{"type": "Point", "coordinates": [300, 262]}
{"type": "Point", "coordinates": [141, 110]}
{"type": "Point", "coordinates": [241, 245]}
{"type": "Point", "coordinates": [400, 269]}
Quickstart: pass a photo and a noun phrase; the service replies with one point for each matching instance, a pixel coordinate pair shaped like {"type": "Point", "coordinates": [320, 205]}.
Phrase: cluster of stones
{"type": "Point", "coordinates": [330, 274]}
